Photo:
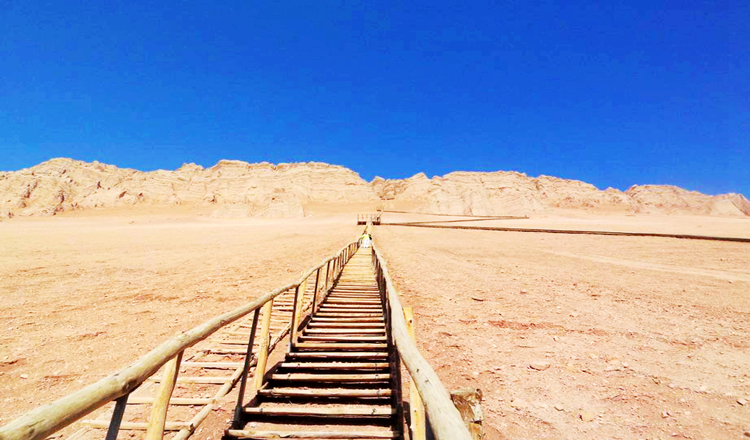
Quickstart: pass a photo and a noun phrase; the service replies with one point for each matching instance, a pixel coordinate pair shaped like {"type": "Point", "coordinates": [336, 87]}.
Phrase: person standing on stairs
{"type": "Point", "coordinates": [365, 240]}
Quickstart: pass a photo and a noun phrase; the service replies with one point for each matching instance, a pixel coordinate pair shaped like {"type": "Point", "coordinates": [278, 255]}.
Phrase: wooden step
{"type": "Point", "coordinates": [336, 365]}
{"type": "Point", "coordinates": [333, 325]}
{"type": "Point", "coordinates": [324, 392]}
{"type": "Point", "coordinates": [339, 345]}
{"type": "Point", "coordinates": [335, 338]}
{"type": "Point", "coordinates": [291, 410]}
{"type": "Point", "coordinates": [338, 355]}
{"type": "Point", "coordinates": [345, 330]}
{"type": "Point", "coordinates": [364, 296]}
{"type": "Point", "coordinates": [361, 319]}
{"type": "Point", "coordinates": [339, 294]}
{"type": "Point", "coordinates": [315, 377]}
{"type": "Point", "coordinates": [351, 305]}
{"type": "Point", "coordinates": [321, 435]}
{"type": "Point", "coordinates": [347, 308]}
{"type": "Point", "coordinates": [342, 314]}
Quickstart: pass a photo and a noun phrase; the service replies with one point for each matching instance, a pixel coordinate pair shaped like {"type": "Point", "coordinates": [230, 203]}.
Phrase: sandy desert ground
{"type": "Point", "coordinates": [85, 296]}
{"type": "Point", "coordinates": [569, 337]}
{"type": "Point", "coordinates": [584, 337]}
{"type": "Point", "coordinates": [580, 220]}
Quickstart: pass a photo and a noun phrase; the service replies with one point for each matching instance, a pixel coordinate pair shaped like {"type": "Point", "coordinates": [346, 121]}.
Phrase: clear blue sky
{"type": "Point", "coordinates": [613, 93]}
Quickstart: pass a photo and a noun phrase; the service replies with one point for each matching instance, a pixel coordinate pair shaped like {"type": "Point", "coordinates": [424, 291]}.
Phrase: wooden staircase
{"type": "Point", "coordinates": [339, 379]}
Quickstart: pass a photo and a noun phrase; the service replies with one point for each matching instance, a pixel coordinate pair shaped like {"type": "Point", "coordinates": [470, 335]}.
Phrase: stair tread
{"type": "Point", "coordinates": [335, 365]}
{"type": "Point", "coordinates": [361, 377]}
{"type": "Point", "coordinates": [325, 392]}
{"type": "Point", "coordinates": [323, 354]}
{"type": "Point", "coordinates": [327, 410]}
{"type": "Point", "coordinates": [277, 434]}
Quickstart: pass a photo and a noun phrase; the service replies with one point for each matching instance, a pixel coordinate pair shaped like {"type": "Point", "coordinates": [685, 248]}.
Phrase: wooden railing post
{"type": "Point", "coordinates": [161, 402]}
{"type": "Point", "coordinates": [300, 300]}
{"type": "Point", "coordinates": [315, 291]}
{"type": "Point", "coordinates": [293, 329]}
{"type": "Point", "coordinates": [418, 422]}
{"type": "Point", "coordinates": [265, 341]}
{"type": "Point", "coordinates": [116, 420]}
{"type": "Point", "coordinates": [328, 269]}
{"type": "Point", "coordinates": [245, 370]}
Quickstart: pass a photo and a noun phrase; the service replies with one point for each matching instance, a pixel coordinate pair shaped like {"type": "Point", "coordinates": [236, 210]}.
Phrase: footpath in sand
{"type": "Point", "coordinates": [584, 337]}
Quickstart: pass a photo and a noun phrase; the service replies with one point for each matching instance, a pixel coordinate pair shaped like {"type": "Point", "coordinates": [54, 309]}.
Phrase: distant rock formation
{"type": "Point", "coordinates": [237, 189]}
{"type": "Point", "coordinates": [509, 193]}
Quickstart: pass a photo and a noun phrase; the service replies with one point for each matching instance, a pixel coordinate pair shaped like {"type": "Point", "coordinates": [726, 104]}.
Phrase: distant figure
{"type": "Point", "coordinates": [365, 240]}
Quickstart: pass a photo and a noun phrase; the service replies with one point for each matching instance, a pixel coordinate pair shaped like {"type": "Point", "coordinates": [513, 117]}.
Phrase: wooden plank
{"type": "Point", "coordinates": [335, 365]}
{"type": "Point", "coordinates": [199, 379]}
{"type": "Point", "coordinates": [335, 325]}
{"type": "Point", "coordinates": [136, 426]}
{"type": "Point", "coordinates": [322, 411]}
{"type": "Point", "coordinates": [227, 350]}
{"type": "Point", "coordinates": [371, 308]}
{"type": "Point", "coordinates": [332, 435]}
{"type": "Point", "coordinates": [361, 319]}
{"type": "Point", "coordinates": [375, 308]}
{"type": "Point", "coordinates": [161, 403]}
{"type": "Point", "coordinates": [345, 330]}
{"type": "Point", "coordinates": [332, 377]}
{"type": "Point", "coordinates": [324, 392]}
{"type": "Point", "coordinates": [265, 341]}
{"type": "Point", "coordinates": [340, 345]}
{"type": "Point", "coordinates": [298, 306]}
{"type": "Point", "coordinates": [418, 427]}
{"type": "Point", "coordinates": [173, 401]}
{"type": "Point", "coordinates": [335, 355]}
{"type": "Point", "coordinates": [350, 312]}
{"type": "Point", "coordinates": [216, 365]}
{"type": "Point", "coordinates": [335, 338]}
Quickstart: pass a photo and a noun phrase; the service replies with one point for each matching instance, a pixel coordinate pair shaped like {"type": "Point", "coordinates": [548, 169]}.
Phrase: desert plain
{"type": "Point", "coordinates": [567, 336]}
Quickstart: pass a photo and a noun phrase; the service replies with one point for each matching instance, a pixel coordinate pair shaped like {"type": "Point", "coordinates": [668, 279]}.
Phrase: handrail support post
{"type": "Point", "coordinates": [243, 380]}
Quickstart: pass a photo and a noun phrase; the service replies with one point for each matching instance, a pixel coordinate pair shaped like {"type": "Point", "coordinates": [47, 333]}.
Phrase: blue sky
{"type": "Point", "coordinates": [613, 93]}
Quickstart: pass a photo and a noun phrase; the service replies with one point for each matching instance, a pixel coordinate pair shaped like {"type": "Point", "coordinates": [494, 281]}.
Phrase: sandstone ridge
{"type": "Point", "coordinates": [233, 189]}
{"type": "Point", "coordinates": [509, 193]}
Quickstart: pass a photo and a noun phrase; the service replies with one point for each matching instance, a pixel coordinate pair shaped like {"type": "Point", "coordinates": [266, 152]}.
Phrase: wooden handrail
{"type": "Point", "coordinates": [444, 418]}
{"type": "Point", "coordinates": [45, 420]}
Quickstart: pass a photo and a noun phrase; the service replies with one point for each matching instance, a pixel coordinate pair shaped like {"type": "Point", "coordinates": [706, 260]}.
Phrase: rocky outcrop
{"type": "Point", "coordinates": [667, 199]}
{"type": "Point", "coordinates": [512, 193]}
{"type": "Point", "coordinates": [236, 189]}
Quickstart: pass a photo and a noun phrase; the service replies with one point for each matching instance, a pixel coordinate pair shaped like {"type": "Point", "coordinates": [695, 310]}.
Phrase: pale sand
{"type": "Point", "coordinates": [631, 327]}
{"type": "Point", "coordinates": [85, 295]}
